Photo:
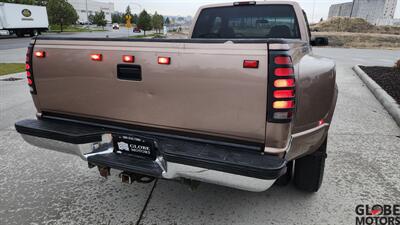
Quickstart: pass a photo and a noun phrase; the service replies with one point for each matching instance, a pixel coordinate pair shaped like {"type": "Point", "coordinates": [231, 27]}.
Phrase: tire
{"type": "Point", "coordinates": [309, 170]}
{"type": "Point", "coordinates": [34, 33]}
{"type": "Point", "coordinates": [19, 34]}
{"type": "Point", "coordinates": [287, 177]}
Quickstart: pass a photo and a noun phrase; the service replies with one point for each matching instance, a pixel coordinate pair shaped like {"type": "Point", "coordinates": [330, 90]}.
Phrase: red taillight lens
{"type": "Point", "coordinates": [96, 57]}
{"type": "Point", "coordinates": [164, 60]}
{"type": "Point", "coordinates": [283, 104]}
{"type": "Point", "coordinates": [30, 82]}
{"type": "Point", "coordinates": [282, 83]}
{"type": "Point", "coordinates": [128, 58]}
{"type": "Point", "coordinates": [28, 74]}
{"type": "Point", "coordinates": [283, 60]}
{"type": "Point", "coordinates": [27, 66]}
{"type": "Point", "coordinates": [40, 54]}
{"type": "Point", "coordinates": [250, 64]}
{"type": "Point", "coordinates": [283, 72]}
{"type": "Point", "coordinates": [321, 122]}
{"type": "Point", "coordinates": [284, 94]}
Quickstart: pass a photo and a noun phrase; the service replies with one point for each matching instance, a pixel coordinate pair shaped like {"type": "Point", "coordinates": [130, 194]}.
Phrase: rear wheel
{"type": "Point", "coordinates": [309, 170]}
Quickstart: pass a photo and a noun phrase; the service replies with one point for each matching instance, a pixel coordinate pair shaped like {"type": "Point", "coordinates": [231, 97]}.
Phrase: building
{"type": "Point", "coordinates": [84, 8]}
{"type": "Point", "coordinates": [374, 11]}
{"type": "Point", "coordinates": [343, 9]}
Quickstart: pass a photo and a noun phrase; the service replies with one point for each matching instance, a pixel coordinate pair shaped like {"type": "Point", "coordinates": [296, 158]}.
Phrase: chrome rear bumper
{"type": "Point", "coordinates": [168, 169]}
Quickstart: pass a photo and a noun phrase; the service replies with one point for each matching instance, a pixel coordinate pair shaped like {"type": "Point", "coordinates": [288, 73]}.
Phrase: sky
{"type": "Point", "coordinates": [189, 8]}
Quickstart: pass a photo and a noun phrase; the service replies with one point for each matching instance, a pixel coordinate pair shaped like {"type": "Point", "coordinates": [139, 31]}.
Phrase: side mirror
{"type": "Point", "coordinates": [319, 41]}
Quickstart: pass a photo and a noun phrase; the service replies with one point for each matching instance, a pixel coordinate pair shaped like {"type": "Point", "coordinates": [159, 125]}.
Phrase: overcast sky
{"type": "Point", "coordinates": [189, 7]}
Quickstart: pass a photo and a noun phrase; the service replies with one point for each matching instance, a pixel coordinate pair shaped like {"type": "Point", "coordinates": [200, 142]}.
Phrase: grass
{"type": "Point", "coordinates": [8, 68]}
{"type": "Point", "coordinates": [57, 28]}
{"type": "Point", "coordinates": [148, 36]}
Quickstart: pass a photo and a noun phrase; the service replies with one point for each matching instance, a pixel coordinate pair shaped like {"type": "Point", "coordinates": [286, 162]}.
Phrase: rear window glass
{"type": "Point", "coordinates": [255, 21]}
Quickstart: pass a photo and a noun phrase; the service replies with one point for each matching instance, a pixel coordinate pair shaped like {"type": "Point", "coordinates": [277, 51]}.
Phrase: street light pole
{"type": "Point", "coordinates": [87, 14]}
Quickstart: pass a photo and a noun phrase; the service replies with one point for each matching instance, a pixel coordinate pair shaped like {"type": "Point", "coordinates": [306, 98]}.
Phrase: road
{"type": "Point", "coordinates": [13, 49]}
{"type": "Point", "coordinates": [43, 187]}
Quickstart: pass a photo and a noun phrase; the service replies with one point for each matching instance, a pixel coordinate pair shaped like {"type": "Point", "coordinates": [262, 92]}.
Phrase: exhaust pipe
{"type": "Point", "coordinates": [129, 178]}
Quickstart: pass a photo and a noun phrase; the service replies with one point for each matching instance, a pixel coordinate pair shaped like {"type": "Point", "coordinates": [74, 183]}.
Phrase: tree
{"type": "Point", "coordinates": [144, 22]}
{"type": "Point", "coordinates": [100, 19]}
{"type": "Point", "coordinates": [128, 12]}
{"type": "Point", "coordinates": [135, 19]}
{"type": "Point", "coordinates": [167, 22]}
{"type": "Point", "coordinates": [118, 17]}
{"type": "Point", "coordinates": [158, 22]}
{"type": "Point", "coordinates": [61, 12]}
{"type": "Point", "coordinates": [91, 18]}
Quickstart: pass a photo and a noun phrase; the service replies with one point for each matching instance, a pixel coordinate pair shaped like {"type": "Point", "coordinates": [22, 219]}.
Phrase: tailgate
{"type": "Point", "coordinates": [205, 89]}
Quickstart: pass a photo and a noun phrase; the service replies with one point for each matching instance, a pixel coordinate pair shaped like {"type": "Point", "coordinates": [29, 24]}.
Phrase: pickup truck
{"type": "Point", "coordinates": [242, 103]}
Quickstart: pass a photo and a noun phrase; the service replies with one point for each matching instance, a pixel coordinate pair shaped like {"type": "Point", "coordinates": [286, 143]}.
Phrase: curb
{"type": "Point", "coordinates": [383, 97]}
{"type": "Point", "coordinates": [17, 75]}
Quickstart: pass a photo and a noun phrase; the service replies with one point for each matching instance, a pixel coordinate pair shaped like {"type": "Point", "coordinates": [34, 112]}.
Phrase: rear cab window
{"type": "Point", "coordinates": [248, 21]}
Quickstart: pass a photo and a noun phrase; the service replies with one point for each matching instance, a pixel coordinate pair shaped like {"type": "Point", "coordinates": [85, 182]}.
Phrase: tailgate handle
{"type": "Point", "coordinates": [129, 72]}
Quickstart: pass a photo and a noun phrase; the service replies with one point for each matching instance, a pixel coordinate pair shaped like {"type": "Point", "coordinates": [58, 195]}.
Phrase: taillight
{"type": "Point", "coordinates": [281, 89]}
{"type": "Point", "coordinates": [29, 69]}
{"type": "Point", "coordinates": [283, 104]}
{"type": "Point", "coordinates": [164, 60]}
{"type": "Point", "coordinates": [284, 94]}
{"type": "Point", "coordinates": [284, 83]}
{"type": "Point", "coordinates": [128, 58]}
{"type": "Point", "coordinates": [284, 72]}
{"type": "Point", "coordinates": [282, 60]}
{"type": "Point", "coordinates": [96, 57]}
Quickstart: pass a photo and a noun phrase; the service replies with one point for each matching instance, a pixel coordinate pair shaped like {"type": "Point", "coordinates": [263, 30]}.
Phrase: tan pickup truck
{"type": "Point", "coordinates": [243, 102]}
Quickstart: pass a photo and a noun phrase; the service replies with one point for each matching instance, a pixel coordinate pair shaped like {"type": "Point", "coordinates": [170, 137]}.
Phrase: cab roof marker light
{"type": "Point", "coordinates": [244, 3]}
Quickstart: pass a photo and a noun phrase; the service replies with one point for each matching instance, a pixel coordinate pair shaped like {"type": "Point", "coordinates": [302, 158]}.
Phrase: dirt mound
{"type": "Point", "coordinates": [354, 25]}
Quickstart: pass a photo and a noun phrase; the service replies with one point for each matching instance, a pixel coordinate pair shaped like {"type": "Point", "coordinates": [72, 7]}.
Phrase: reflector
{"type": "Point", "coordinates": [250, 64]}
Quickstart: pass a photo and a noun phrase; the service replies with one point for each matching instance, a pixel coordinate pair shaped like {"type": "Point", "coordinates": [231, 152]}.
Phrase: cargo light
{"type": "Point", "coordinates": [284, 94]}
{"type": "Point", "coordinates": [283, 104]}
{"type": "Point", "coordinates": [250, 64]}
{"type": "Point", "coordinates": [164, 60]}
{"type": "Point", "coordinates": [40, 54]}
{"type": "Point", "coordinates": [284, 72]}
{"type": "Point", "coordinates": [283, 60]}
{"type": "Point", "coordinates": [128, 58]}
{"type": "Point", "coordinates": [96, 57]}
{"type": "Point", "coordinates": [282, 83]}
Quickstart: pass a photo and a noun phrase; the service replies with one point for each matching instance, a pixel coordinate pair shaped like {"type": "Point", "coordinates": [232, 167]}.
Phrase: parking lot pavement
{"type": "Point", "coordinates": [42, 187]}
